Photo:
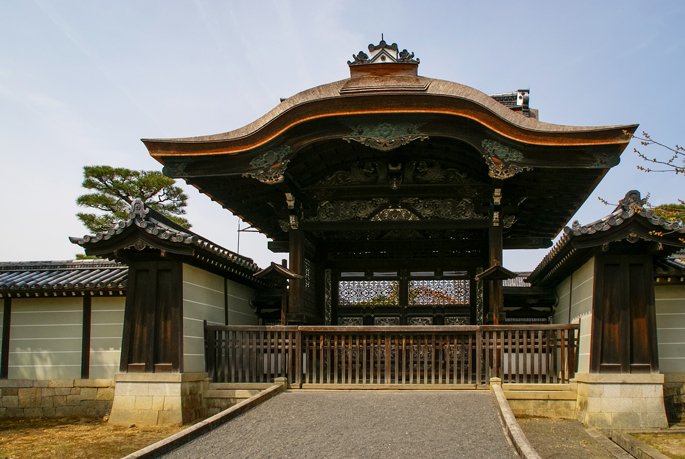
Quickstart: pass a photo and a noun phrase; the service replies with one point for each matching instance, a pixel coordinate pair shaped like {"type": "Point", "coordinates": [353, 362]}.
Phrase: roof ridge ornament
{"type": "Point", "coordinates": [382, 53]}
{"type": "Point", "coordinates": [138, 210]}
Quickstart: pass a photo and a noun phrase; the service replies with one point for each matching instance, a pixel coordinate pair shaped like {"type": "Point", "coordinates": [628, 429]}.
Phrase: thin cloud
{"type": "Point", "coordinates": [62, 25]}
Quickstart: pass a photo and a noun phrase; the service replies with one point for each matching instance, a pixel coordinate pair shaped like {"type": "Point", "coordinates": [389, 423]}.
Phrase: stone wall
{"type": "Point", "coordinates": [543, 400]}
{"type": "Point", "coordinates": [56, 397]}
{"type": "Point", "coordinates": [621, 401]}
{"type": "Point", "coordinates": [158, 398]}
{"type": "Point", "coordinates": [674, 397]}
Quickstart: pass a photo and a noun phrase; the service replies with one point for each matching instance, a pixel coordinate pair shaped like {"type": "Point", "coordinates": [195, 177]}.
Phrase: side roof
{"type": "Point", "coordinates": [631, 220]}
{"type": "Point", "coordinates": [148, 230]}
{"type": "Point", "coordinates": [62, 278]}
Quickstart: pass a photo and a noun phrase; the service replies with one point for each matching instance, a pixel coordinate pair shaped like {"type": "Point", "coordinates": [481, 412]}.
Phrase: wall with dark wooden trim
{"type": "Point", "coordinates": [106, 328]}
{"type": "Point", "coordinates": [45, 338]}
{"type": "Point", "coordinates": [575, 306]}
{"type": "Point", "coordinates": [670, 323]}
{"type": "Point", "coordinates": [207, 296]}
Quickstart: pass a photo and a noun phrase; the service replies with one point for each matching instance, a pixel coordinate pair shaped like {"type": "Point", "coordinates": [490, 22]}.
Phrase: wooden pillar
{"type": "Point", "coordinates": [6, 320]}
{"type": "Point", "coordinates": [153, 320]}
{"type": "Point", "coordinates": [624, 334]}
{"type": "Point", "coordinates": [296, 291]}
{"type": "Point", "coordinates": [85, 337]}
{"type": "Point", "coordinates": [495, 246]}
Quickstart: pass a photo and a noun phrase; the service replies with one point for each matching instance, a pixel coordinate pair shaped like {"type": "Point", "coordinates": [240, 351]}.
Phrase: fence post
{"type": "Point", "coordinates": [479, 356]}
{"type": "Point", "coordinates": [210, 358]}
{"type": "Point", "coordinates": [298, 358]}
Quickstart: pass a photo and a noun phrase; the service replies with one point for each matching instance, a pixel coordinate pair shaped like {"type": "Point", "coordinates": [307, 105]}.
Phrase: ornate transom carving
{"type": "Point", "coordinates": [385, 136]}
{"type": "Point", "coordinates": [333, 211]}
{"type": "Point", "coordinates": [413, 172]}
{"type": "Point", "coordinates": [500, 159]}
{"type": "Point", "coordinates": [450, 209]}
{"type": "Point", "coordinates": [271, 165]}
{"type": "Point", "coordinates": [394, 214]}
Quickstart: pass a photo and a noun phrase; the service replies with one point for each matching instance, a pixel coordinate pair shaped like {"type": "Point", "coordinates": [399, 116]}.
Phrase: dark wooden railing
{"type": "Point", "coordinates": [368, 356]}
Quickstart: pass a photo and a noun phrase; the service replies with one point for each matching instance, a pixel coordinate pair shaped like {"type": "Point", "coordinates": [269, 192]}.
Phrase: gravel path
{"type": "Point", "coordinates": [361, 424]}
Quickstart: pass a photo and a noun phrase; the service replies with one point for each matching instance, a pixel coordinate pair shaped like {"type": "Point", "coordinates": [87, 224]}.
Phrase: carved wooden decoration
{"type": "Point", "coordinates": [385, 136]}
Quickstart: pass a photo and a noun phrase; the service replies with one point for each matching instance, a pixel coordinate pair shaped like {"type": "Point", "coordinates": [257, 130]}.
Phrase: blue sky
{"type": "Point", "coordinates": [81, 82]}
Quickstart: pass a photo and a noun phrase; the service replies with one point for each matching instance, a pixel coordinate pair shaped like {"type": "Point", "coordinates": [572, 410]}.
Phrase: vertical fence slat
{"type": "Point", "coordinates": [526, 354]}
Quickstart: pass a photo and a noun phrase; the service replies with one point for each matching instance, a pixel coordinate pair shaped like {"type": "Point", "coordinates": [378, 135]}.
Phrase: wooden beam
{"type": "Point", "coordinates": [297, 256]}
{"type": "Point", "coordinates": [495, 249]}
{"type": "Point", "coordinates": [85, 337]}
{"type": "Point", "coordinates": [433, 224]}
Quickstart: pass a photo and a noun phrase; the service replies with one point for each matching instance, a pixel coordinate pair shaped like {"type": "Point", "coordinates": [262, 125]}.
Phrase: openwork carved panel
{"type": "Point", "coordinates": [441, 292]}
{"type": "Point", "coordinates": [457, 321]}
{"type": "Point", "coordinates": [363, 293]}
{"type": "Point", "coordinates": [350, 321]}
{"type": "Point", "coordinates": [420, 321]}
{"type": "Point", "coordinates": [327, 297]}
{"type": "Point", "coordinates": [309, 287]}
{"type": "Point", "coordinates": [479, 299]}
{"type": "Point", "coordinates": [386, 321]}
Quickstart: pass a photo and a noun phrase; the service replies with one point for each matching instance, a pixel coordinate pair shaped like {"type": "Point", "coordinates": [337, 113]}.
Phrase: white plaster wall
{"type": "Point", "coordinates": [579, 300]}
{"type": "Point", "coordinates": [45, 338]}
{"type": "Point", "coordinates": [670, 324]}
{"type": "Point", "coordinates": [203, 299]}
{"type": "Point", "coordinates": [106, 329]}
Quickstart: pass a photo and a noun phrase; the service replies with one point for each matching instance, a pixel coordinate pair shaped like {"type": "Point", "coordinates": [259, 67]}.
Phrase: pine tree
{"type": "Point", "coordinates": [115, 189]}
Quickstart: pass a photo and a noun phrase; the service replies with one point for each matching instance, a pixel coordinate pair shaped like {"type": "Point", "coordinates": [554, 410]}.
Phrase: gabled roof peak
{"type": "Point", "coordinates": [380, 54]}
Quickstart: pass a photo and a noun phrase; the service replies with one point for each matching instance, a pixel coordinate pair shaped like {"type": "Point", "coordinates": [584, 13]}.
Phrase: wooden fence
{"type": "Point", "coordinates": [371, 356]}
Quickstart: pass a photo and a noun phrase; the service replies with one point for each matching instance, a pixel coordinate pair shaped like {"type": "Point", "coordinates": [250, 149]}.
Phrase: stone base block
{"type": "Point", "coordinates": [674, 397]}
{"type": "Point", "coordinates": [157, 398]}
{"type": "Point", "coordinates": [621, 401]}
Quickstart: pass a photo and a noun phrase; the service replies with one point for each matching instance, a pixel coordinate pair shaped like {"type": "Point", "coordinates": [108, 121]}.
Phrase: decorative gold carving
{"type": "Point", "coordinates": [413, 172]}
{"type": "Point", "coordinates": [499, 160]}
{"type": "Point", "coordinates": [508, 221]}
{"type": "Point", "coordinates": [394, 214]}
{"type": "Point", "coordinates": [451, 209]}
{"type": "Point", "coordinates": [333, 211]}
{"type": "Point", "coordinates": [385, 136]}
{"type": "Point", "coordinates": [271, 165]}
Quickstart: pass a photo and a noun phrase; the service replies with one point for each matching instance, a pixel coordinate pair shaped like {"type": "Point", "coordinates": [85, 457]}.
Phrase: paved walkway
{"type": "Point", "coordinates": [361, 424]}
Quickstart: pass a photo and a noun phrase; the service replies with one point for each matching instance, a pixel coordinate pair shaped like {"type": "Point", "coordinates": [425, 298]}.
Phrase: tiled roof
{"type": "Point", "coordinates": [630, 206]}
{"type": "Point", "coordinates": [518, 281]}
{"type": "Point", "coordinates": [159, 226]}
{"type": "Point", "coordinates": [62, 278]}
{"type": "Point", "coordinates": [507, 99]}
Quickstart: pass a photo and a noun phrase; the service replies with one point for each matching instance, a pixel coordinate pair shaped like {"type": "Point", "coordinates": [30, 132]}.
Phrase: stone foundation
{"type": "Point", "coordinates": [542, 400]}
{"type": "Point", "coordinates": [674, 397]}
{"type": "Point", "coordinates": [621, 401]}
{"type": "Point", "coordinates": [56, 397]}
{"type": "Point", "coordinates": [157, 398]}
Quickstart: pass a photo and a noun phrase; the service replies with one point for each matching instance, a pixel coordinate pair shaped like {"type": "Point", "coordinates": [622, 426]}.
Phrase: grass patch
{"type": "Point", "coordinates": [671, 445]}
{"type": "Point", "coordinates": [74, 438]}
